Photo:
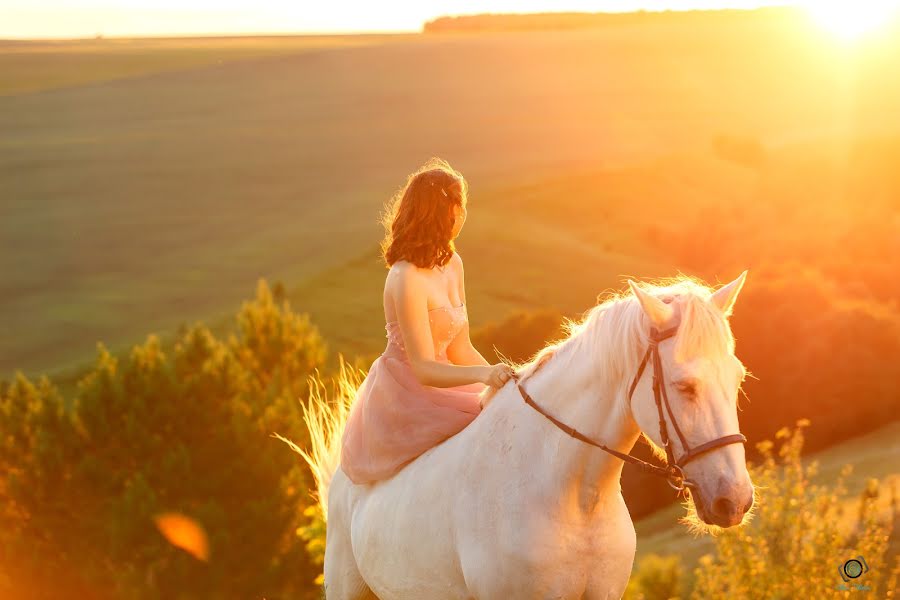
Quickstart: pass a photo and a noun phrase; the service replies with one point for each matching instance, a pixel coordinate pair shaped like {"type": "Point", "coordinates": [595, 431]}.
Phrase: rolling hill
{"type": "Point", "coordinates": [156, 192]}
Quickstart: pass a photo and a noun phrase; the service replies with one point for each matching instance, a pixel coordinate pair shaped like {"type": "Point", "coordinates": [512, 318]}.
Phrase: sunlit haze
{"type": "Point", "coordinates": [851, 20]}
{"type": "Point", "coordinates": [88, 18]}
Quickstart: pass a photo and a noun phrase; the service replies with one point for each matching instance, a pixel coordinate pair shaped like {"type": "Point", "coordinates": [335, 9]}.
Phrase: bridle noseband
{"type": "Point", "coordinates": [673, 472]}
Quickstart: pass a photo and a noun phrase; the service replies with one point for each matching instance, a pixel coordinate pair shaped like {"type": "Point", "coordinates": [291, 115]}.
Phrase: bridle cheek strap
{"type": "Point", "coordinates": [661, 398]}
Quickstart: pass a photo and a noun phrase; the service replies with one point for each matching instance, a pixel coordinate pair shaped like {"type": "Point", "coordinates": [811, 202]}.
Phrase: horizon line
{"type": "Point", "coordinates": [363, 32]}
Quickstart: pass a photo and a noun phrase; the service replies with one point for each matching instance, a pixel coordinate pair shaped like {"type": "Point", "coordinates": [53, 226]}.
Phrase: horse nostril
{"type": "Point", "coordinates": [723, 507]}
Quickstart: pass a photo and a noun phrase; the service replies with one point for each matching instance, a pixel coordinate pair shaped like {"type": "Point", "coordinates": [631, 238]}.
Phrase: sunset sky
{"type": "Point", "coordinates": [86, 18]}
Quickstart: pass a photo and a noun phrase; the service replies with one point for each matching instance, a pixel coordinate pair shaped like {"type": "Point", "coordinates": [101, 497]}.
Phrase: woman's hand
{"type": "Point", "coordinates": [497, 375]}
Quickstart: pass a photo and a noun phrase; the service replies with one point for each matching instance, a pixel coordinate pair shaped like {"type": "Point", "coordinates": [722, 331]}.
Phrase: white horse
{"type": "Point", "coordinates": [512, 506]}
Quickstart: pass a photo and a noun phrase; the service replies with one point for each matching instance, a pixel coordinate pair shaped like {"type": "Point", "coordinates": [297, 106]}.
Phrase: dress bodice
{"type": "Point", "coordinates": [446, 323]}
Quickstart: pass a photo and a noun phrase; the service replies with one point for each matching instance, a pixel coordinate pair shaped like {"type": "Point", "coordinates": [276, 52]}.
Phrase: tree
{"type": "Point", "coordinates": [152, 433]}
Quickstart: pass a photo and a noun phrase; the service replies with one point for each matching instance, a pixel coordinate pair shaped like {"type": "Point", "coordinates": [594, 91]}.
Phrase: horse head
{"type": "Point", "coordinates": [694, 408]}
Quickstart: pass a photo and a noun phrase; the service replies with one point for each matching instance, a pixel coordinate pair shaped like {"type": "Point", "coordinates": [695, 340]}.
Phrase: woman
{"type": "Point", "coordinates": [425, 387]}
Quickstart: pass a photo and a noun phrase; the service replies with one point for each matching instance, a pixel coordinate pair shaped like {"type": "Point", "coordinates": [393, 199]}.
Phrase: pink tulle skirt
{"type": "Point", "coordinates": [395, 418]}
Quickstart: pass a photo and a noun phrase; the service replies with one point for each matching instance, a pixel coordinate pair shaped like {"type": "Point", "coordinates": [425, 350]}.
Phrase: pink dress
{"type": "Point", "coordinates": [395, 418]}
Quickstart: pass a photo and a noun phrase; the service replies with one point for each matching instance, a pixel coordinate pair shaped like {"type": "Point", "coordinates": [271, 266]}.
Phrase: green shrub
{"type": "Point", "coordinates": [795, 540]}
{"type": "Point", "coordinates": [798, 537]}
{"type": "Point", "coordinates": [656, 578]}
{"type": "Point", "coordinates": [188, 432]}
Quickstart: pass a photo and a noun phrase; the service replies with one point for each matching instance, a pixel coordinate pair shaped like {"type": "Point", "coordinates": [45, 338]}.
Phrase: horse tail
{"type": "Point", "coordinates": [325, 419]}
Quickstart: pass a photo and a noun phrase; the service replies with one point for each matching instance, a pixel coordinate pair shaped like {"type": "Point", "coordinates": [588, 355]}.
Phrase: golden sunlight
{"type": "Point", "coordinates": [851, 20]}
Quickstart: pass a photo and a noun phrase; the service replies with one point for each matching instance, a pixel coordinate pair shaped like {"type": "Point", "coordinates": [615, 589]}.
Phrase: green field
{"type": "Point", "coordinates": [146, 183]}
{"type": "Point", "coordinates": [36, 66]}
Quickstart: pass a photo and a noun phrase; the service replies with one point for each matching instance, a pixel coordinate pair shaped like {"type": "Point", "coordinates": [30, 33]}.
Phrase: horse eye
{"type": "Point", "coordinates": [687, 388]}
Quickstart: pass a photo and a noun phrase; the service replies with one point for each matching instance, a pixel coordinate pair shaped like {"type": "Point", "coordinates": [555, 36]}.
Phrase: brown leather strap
{"type": "Point", "coordinates": [655, 338]}
{"type": "Point", "coordinates": [571, 431]}
{"type": "Point", "coordinates": [735, 438]}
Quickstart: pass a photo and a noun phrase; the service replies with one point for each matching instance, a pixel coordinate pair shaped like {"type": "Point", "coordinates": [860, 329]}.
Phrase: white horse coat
{"type": "Point", "coordinates": [511, 506]}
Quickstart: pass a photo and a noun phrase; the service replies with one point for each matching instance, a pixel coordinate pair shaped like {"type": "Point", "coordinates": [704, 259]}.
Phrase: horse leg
{"type": "Point", "coordinates": [343, 580]}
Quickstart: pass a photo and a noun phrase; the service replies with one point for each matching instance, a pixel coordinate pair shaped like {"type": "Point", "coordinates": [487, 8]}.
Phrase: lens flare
{"type": "Point", "coordinates": [185, 533]}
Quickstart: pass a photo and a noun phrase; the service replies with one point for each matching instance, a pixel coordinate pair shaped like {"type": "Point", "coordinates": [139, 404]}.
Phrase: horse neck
{"type": "Point", "coordinates": [580, 476]}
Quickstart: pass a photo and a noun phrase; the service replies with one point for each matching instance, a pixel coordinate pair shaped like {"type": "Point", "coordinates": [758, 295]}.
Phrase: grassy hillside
{"type": "Point", "coordinates": [557, 241]}
{"type": "Point", "coordinates": [36, 66]}
{"type": "Point", "coordinates": [134, 204]}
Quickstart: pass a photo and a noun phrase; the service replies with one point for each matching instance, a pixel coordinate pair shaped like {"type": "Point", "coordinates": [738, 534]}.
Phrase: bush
{"type": "Point", "coordinates": [798, 536]}
{"type": "Point", "coordinates": [89, 479]}
{"type": "Point", "coordinates": [656, 578]}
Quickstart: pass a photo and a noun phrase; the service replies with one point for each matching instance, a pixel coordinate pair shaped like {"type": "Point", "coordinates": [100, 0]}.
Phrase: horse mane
{"type": "Point", "coordinates": [612, 336]}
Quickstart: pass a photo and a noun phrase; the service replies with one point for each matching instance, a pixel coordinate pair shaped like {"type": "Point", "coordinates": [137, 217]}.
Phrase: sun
{"type": "Point", "coordinates": [851, 20]}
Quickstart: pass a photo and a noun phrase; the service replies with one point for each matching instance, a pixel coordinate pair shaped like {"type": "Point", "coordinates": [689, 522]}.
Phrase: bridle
{"type": "Point", "coordinates": [673, 472]}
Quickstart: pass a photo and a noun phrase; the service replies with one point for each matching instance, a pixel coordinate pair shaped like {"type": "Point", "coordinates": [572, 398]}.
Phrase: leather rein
{"type": "Point", "coordinates": [673, 472]}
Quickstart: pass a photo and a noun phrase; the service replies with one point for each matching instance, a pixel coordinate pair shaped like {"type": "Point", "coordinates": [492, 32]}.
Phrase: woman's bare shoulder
{"type": "Point", "coordinates": [404, 276]}
{"type": "Point", "coordinates": [403, 269]}
{"type": "Point", "coordinates": [457, 262]}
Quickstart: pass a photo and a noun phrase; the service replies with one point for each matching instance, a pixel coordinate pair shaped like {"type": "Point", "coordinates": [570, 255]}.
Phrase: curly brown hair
{"type": "Point", "coordinates": [418, 220]}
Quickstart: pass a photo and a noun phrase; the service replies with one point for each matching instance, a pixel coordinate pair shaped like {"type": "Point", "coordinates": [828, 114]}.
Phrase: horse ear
{"type": "Point", "coordinates": [726, 295]}
{"type": "Point", "coordinates": [656, 310]}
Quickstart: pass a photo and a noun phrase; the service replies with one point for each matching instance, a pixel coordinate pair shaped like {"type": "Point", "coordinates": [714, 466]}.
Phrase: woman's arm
{"type": "Point", "coordinates": [461, 351]}
{"type": "Point", "coordinates": [410, 300]}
